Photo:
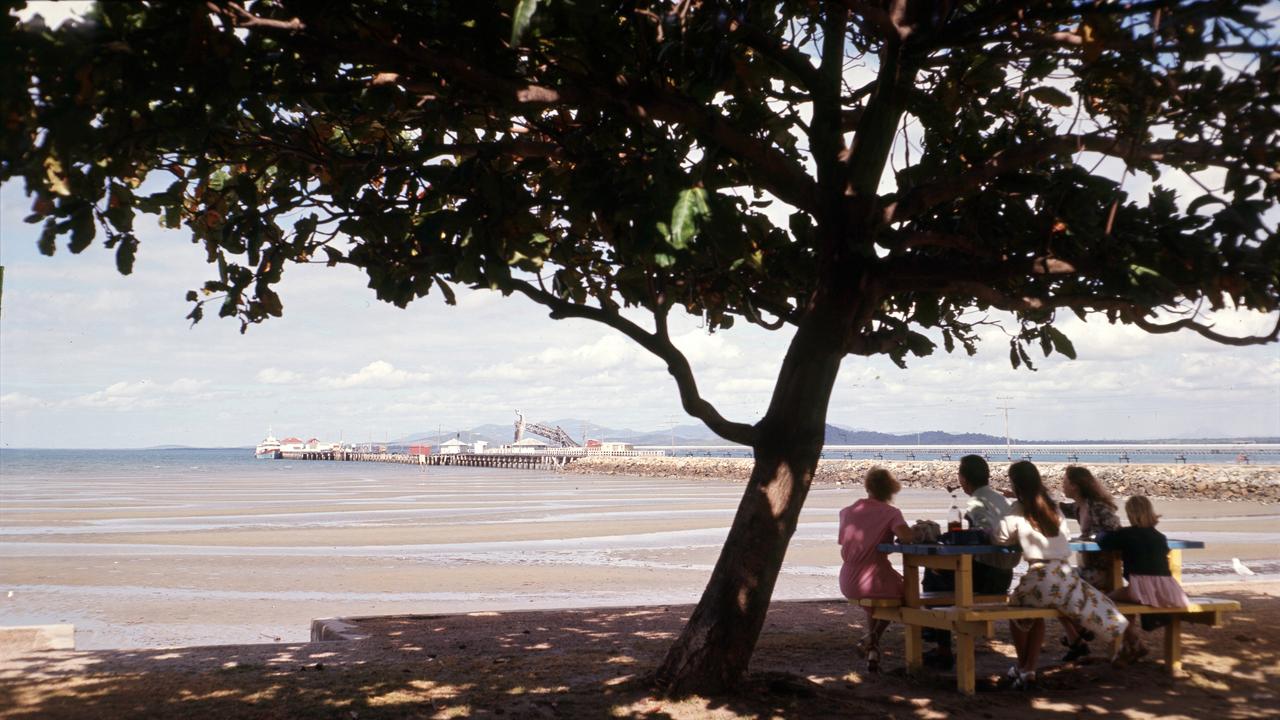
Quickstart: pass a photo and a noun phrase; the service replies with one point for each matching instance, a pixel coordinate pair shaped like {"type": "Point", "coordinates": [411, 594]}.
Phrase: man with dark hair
{"type": "Point", "coordinates": [992, 573]}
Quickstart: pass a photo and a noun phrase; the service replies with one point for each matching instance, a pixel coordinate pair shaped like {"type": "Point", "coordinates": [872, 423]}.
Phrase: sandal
{"type": "Point", "coordinates": [1135, 652]}
{"type": "Point", "coordinates": [1015, 679]}
{"type": "Point", "coordinates": [1129, 654]}
{"type": "Point", "coordinates": [1075, 652]}
{"type": "Point", "coordinates": [1025, 681]}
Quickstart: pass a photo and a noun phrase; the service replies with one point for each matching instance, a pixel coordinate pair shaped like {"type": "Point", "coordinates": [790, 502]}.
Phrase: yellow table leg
{"type": "Point", "coordinates": [911, 582]}
{"type": "Point", "coordinates": [1115, 578]}
{"type": "Point", "coordinates": [1175, 564]}
{"type": "Point", "coordinates": [1173, 646]}
{"type": "Point", "coordinates": [914, 647]}
{"type": "Point", "coordinates": [964, 582]}
{"type": "Point", "coordinates": [965, 664]}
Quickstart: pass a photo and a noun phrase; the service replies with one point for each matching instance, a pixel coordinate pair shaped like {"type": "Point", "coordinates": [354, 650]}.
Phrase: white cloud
{"type": "Point", "coordinates": [501, 371]}
{"type": "Point", "coordinates": [141, 394]}
{"type": "Point", "coordinates": [610, 351]}
{"type": "Point", "coordinates": [378, 373]}
{"type": "Point", "coordinates": [276, 376]}
{"type": "Point", "coordinates": [19, 402]}
{"type": "Point", "coordinates": [105, 302]}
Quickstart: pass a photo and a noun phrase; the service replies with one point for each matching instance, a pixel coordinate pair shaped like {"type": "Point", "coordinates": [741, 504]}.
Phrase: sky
{"type": "Point", "coordinates": [91, 359]}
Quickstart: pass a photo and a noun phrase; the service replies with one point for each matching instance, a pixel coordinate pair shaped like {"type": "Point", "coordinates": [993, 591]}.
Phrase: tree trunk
{"type": "Point", "coordinates": [715, 646]}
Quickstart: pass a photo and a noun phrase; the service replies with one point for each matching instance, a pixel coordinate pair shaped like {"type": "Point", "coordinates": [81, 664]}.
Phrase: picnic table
{"type": "Point", "coordinates": [968, 615]}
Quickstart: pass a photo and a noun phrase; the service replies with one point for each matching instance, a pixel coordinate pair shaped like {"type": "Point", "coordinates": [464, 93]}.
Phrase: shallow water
{"type": "Point", "coordinates": [160, 548]}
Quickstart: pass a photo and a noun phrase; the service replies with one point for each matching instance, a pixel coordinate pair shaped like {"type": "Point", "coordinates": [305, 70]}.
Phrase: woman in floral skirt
{"type": "Point", "coordinates": [1050, 580]}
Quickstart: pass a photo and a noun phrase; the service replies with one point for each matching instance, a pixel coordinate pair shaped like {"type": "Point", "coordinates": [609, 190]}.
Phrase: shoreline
{"type": "Point", "coordinates": [179, 559]}
{"type": "Point", "coordinates": [1253, 483]}
{"type": "Point", "coordinates": [596, 662]}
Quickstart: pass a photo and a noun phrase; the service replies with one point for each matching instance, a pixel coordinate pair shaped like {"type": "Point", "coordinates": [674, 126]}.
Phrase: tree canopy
{"type": "Point", "coordinates": [878, 174]}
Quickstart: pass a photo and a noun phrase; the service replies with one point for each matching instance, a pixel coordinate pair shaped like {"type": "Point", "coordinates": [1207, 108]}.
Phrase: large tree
{"type": "Point", "coordinates": [618, 160]}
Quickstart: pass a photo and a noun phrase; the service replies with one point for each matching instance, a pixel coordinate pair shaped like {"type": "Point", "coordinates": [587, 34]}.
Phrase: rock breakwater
{"type": "Point", "coordinates": [1197, 482]}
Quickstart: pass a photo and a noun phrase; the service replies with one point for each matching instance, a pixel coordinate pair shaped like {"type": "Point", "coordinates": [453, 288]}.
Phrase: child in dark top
{"type": "Point", "coordinates": [1146, 567]}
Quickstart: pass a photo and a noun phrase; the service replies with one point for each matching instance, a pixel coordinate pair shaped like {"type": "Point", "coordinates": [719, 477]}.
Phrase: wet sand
{"type": "Point", "coordinates": [165, 561]}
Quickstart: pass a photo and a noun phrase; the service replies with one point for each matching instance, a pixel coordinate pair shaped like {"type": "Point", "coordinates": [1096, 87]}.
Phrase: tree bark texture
{"type": "Point", "coordinates": [712, 652]}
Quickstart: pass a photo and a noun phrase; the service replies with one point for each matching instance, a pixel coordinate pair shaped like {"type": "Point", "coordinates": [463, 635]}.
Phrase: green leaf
{"type": "Point", "coordinates": [1050, 96]}
{"type": "Point", "coordinates": [172, 217]}
{"type": "Point", "coordinates": [687, 216]}
{"type": "Point", "coordinates": [270, 301]}
{"type": "Point", "coordinates": [47, 243]}
{"type": "Point", "coordinates": [125, 254]}
{"type": "Point", "coordinates": [926, 311]}
{"type": "Point", "coordinates": [305, 227]}
{"type": "Point", "coordinates": [920, 345]}
{"type": "Point", "coordinates": [520, 19]}
{"type": "Point", "coordinates": [218, 180]}
{"type": "Point", "coordinates": [1061, 343]}
{"type": "Point", "coordinates": [82, 230]}
{"type": "Point", "coordinates": [664, 260]}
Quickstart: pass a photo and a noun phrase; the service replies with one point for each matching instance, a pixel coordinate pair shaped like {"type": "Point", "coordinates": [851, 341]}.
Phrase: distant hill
{"type": "Point", "coordinates": [840, 436]}
{"type": "Point", "coordinates": [700, 435]}
{"type": "Point", "coordinates": [696, 434]}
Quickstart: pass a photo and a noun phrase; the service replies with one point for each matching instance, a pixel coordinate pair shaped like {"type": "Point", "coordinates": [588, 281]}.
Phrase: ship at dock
{"type": "Point", "coordinates": [268, 449]}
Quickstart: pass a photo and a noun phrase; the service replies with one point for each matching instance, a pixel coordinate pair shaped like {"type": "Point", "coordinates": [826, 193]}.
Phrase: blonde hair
{"type": "Point", "coordinates": [880, 484]}
{"type": "Point", "coordinates": [1141, 512]}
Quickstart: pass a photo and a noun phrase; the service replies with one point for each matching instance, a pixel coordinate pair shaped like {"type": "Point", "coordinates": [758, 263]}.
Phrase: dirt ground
{"type": "Point", "coordinates": [593, 663]}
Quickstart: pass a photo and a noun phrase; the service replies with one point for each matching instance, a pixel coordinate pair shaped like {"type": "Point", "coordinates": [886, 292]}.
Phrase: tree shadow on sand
{"type": "Point", "coordinates": [594, 663]}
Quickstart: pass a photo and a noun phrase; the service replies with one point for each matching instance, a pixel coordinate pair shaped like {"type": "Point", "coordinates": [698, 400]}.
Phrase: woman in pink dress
{"type": "Point", "coordinates": [866, 572]}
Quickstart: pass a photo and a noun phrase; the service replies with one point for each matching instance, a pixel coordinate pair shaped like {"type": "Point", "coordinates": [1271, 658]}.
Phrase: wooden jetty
{"type": "Point", "coordinates": [353, 456]}
{"type": "Point", "coordinates": [550, 458]}
{"type": "Point", "coordinates": [522, 461]}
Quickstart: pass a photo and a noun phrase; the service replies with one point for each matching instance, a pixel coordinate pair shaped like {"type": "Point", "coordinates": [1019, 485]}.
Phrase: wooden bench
{"type": "Point", "coordinates": [979, 619]}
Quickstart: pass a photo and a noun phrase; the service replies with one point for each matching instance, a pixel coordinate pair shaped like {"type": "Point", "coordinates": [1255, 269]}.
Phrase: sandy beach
{"type": "Point", "coordinates": [228, 568]}
{"type": "Point", "coordinates": [203, 556]}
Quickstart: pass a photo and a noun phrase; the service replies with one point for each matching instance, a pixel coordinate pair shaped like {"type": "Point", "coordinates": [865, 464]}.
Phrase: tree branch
{"type": "Point", "coordinates": [237, 16]}
{"type": "Point", "coordinates": [875, 15]}
{"type": "Point", "coordinates": [785, 56]}
{"type": "Point", "coordinates": [1202, 329]}
{"type": "Point", "coordinates": [927, 196]}
{"type": "Point", "coordinates": [774, 171]}
{"type": "Point", "coordinates": [659, 343]}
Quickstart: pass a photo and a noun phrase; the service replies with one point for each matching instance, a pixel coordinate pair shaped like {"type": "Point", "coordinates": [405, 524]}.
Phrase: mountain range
{"type": "Point", "coordinates": [698, 435]}
{"type": "Point", "coordinates": [693, 434]}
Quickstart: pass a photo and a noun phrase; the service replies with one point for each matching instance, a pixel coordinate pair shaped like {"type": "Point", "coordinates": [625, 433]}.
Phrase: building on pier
{"type": "Point", "coordinates": [452, 446]}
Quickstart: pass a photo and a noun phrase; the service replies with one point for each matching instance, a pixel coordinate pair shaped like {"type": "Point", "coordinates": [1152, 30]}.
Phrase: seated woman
{"type": "Point", "coordinates": [1093, 508]}
{"type": "Point", "coordinates": [1146, 566]}
{"type": "Point", "coordinates": [1050, 581]}
{"type": "Point", "coordinates": [866, 572]}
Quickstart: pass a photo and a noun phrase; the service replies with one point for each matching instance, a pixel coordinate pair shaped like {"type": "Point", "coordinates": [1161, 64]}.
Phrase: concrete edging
{"type": "Point", "coordinates": [334, 629]}
{"type": "Point", "coordinates": [33, 638]}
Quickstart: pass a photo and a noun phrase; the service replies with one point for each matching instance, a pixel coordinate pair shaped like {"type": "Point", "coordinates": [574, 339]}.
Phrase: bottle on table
{"type": "Point", "coordinates": [955, 518]}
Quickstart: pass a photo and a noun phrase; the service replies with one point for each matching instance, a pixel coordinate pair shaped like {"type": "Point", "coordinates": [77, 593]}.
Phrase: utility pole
{"type": "Point", "coordinates": [1008, 449]}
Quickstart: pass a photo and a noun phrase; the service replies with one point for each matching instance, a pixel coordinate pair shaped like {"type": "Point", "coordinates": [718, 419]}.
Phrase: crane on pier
{"type": "Point", "coordinates": [554, 434]}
